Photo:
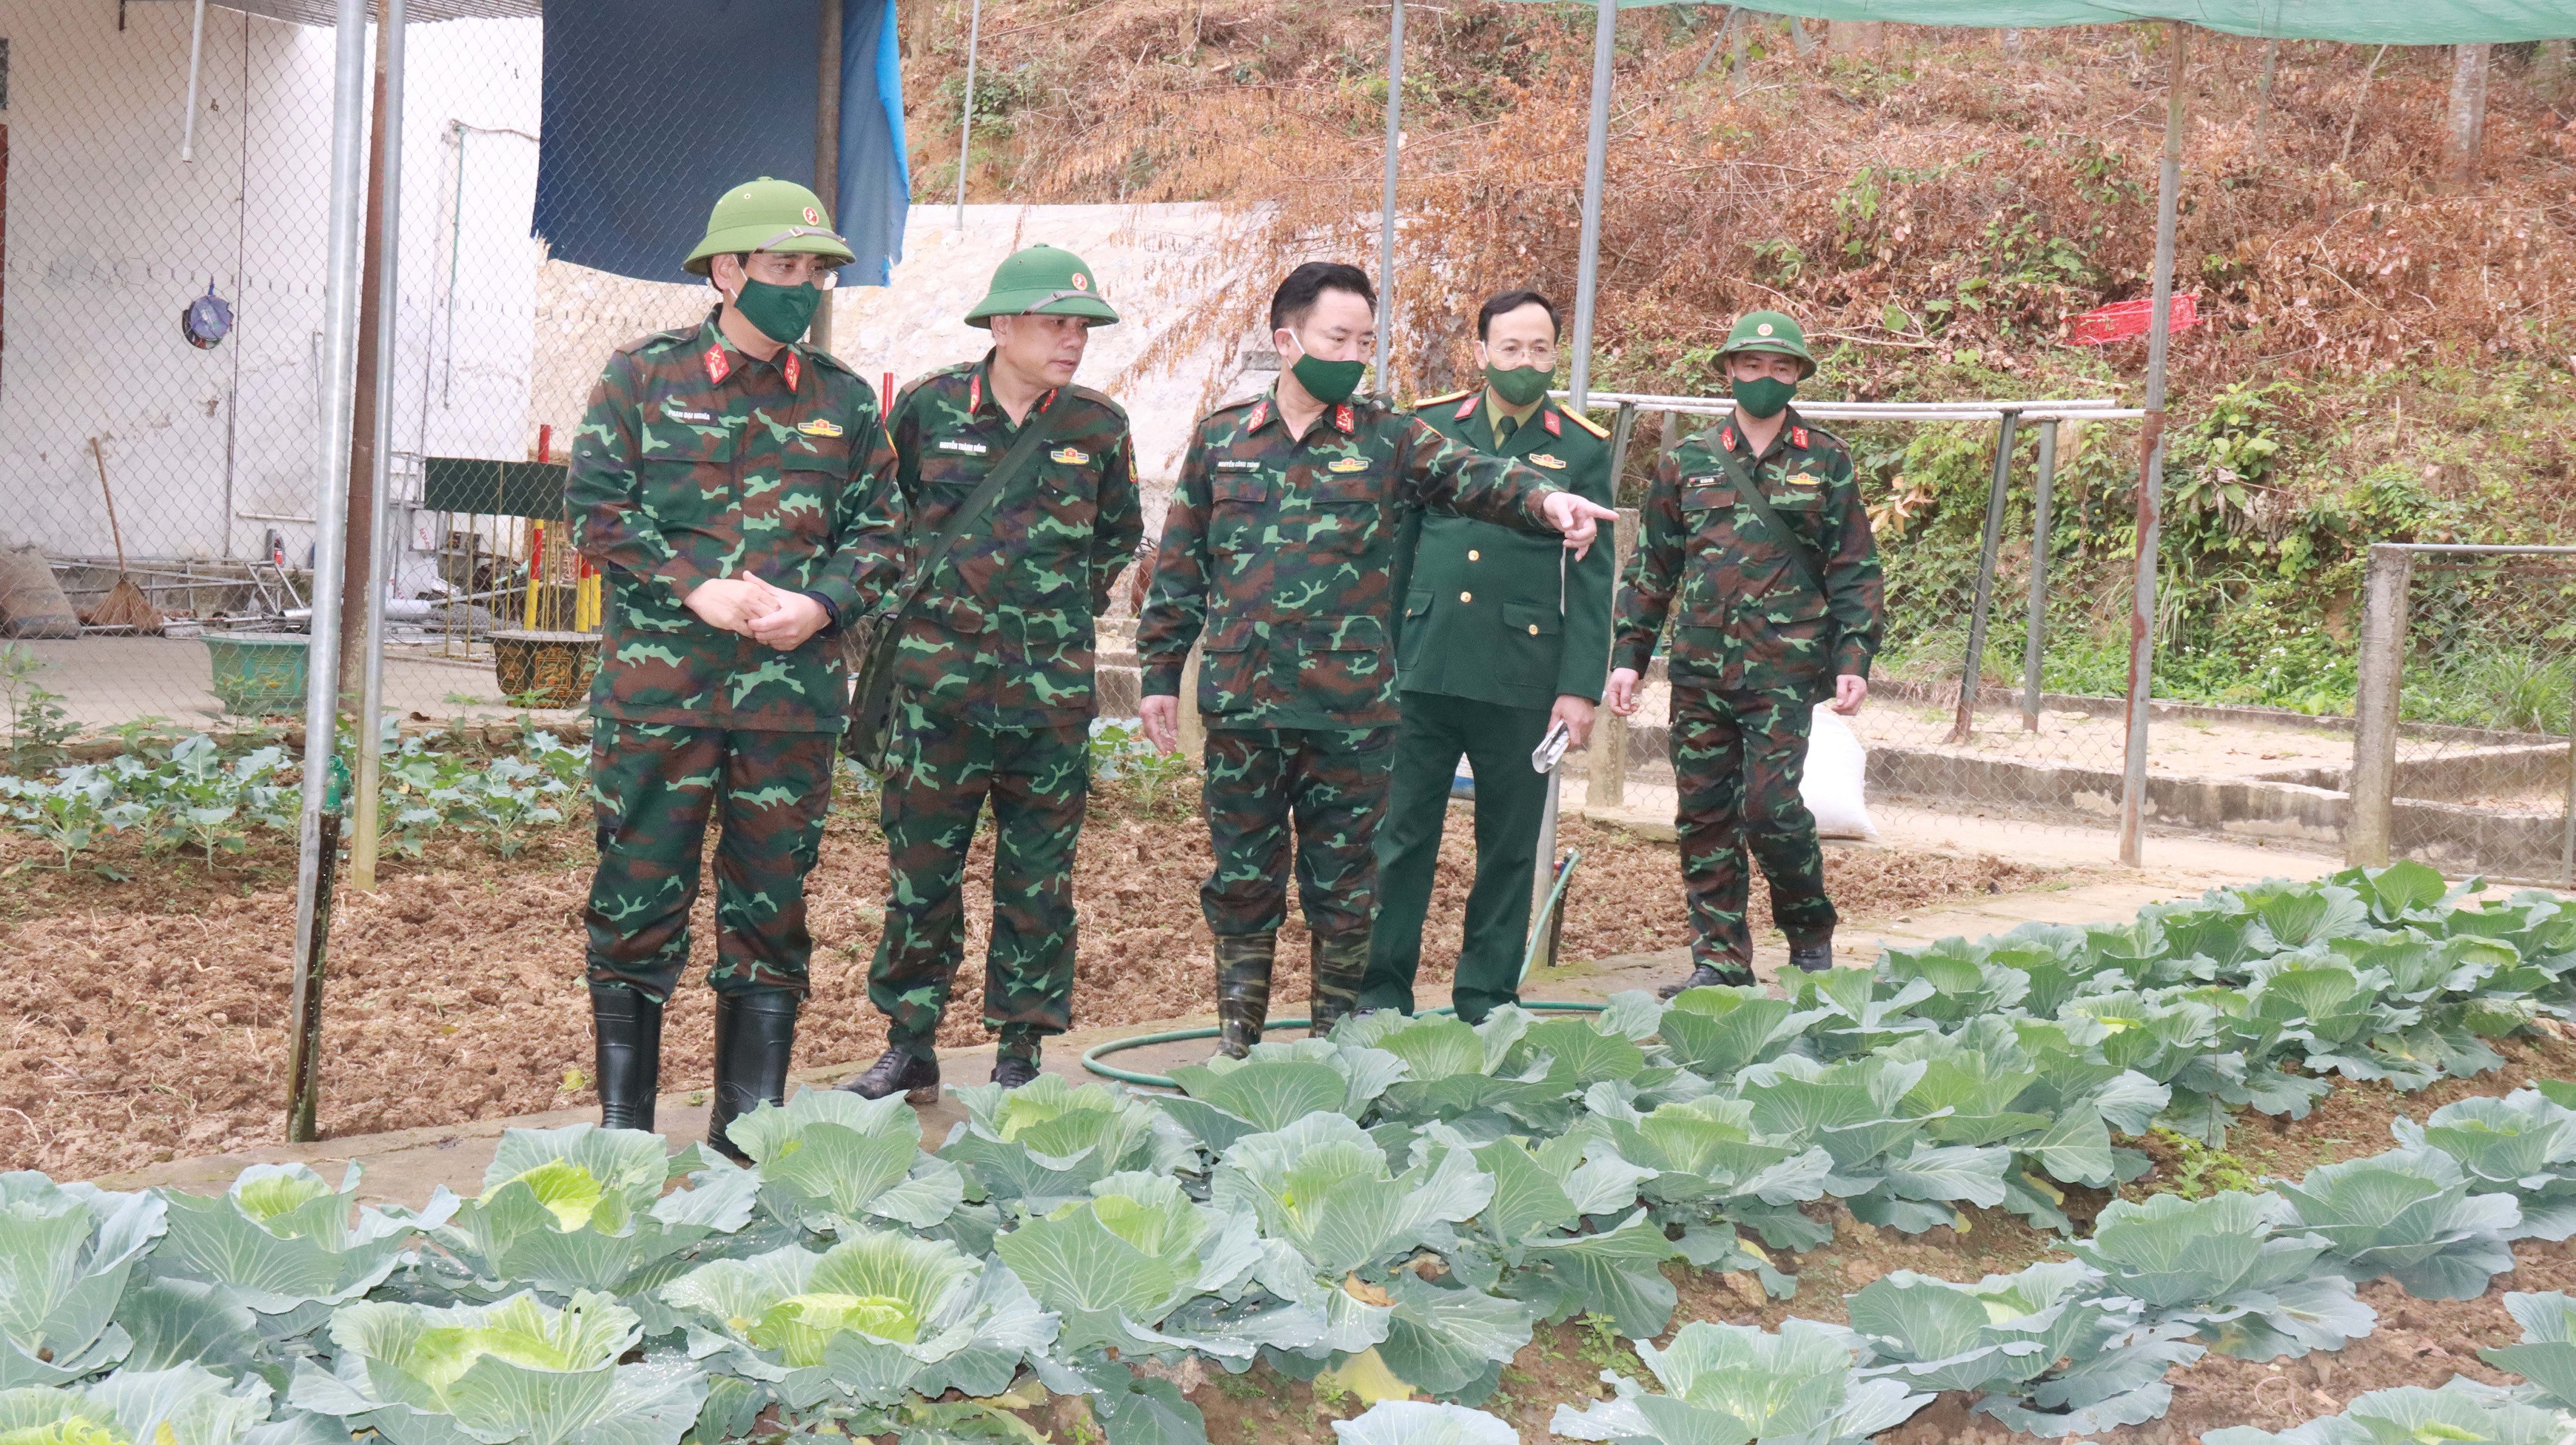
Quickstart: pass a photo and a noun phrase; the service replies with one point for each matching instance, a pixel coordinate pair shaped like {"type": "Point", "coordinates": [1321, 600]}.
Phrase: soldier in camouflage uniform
{"type": "Point", "coordinates": [1769, 626]}
{"type": "Point", "coordinates": [729, 484]}
{"type": "Point", "coordinates": [1280, 547]}
{"type": "Point", "coordinates": [994, 676]}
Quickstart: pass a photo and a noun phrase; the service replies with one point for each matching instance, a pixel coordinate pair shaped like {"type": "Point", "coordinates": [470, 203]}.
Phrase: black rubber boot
{"type": "Point", "coordinates": [1012, 1070]}
{"type": "Point", "coordinates": [899, 1071]}
{"type": "Point", "coordinates": [1339, 964]}
{"type": "Point", "coordinates": [627, 1059]}
{"type": "Point", "coordinates": [1812, 957]}
{"type": "Point", "coordinates": [1243, 990]}
{"type": "Point", "coordinates": [755, 1034]}
{"type": "Point", "coordinates": [1704, 976]}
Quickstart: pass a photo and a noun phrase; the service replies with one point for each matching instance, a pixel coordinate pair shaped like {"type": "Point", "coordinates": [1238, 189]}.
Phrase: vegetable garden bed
{"type": "Point", "coordinates": [1402, 1208]}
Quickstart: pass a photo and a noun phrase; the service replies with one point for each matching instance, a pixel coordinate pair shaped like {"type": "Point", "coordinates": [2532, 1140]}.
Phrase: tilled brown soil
{"type": "Point", "coordinates": [144, 1018]}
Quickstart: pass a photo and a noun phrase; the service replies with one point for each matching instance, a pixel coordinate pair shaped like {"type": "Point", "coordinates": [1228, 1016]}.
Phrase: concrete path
{"type": "Point", "coordinates": [402, 1167]}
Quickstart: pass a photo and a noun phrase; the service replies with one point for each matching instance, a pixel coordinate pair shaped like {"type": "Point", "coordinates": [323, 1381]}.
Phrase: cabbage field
{"type": "Point", "coordinates": [1394, 1212]}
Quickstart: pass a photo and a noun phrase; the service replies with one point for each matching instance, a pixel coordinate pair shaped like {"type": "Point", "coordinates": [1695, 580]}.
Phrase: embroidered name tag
{"type": "Point", "coordinates": [819, 427]}
{"type": "Point", "coordinates": [1070, 456]}
{"type": "Point", "coordinates": [1553, 464]}
{"type": "Point", "coordinates": [1699, 481]}
{"type": "Point", "coordinates": [676, 413]}
{"type": "Point", "coordinates": [1349, 464]}
{"type": "Point", "coordinates": [954, 444]}
{"type": "Point", "coordinates": [1224, 465]}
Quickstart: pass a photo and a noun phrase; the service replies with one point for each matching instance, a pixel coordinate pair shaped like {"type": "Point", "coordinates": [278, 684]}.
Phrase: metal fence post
{"type": "Point", "coordinates": [2039, 518]}
{"type": "Point", "coordinates": [2374, 710]}
{"type": "Point", "coordinates": [1386, 207]}
{"type": "Point", "coordinates": [1966, 721]}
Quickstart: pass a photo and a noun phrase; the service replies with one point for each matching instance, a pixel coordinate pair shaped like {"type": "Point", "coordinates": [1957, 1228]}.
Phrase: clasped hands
{"type": "Point", "coordinates": [765, 614]}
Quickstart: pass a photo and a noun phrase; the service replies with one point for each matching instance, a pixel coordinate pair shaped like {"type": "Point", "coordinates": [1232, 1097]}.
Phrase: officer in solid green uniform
{"type": "Point", "coordinates": [1505, 635]}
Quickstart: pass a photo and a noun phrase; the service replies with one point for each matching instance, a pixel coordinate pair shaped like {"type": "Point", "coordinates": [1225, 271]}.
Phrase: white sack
{"type": "Point", "coordinates": [1837, 771]}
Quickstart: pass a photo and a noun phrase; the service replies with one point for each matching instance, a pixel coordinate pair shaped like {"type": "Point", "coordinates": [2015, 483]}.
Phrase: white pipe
{"type": "Point", "coordinates": [966, 114]}
{"type": "Point", "coordinates": [196, 53]}
{"type": "Point", "coordinates": [1596, 154]}
{"type": "Point", "coordinates": [1386, 205]}
{"type": "Point", "coordinates": [350, 91]}
{"type": "Point", "coordinates": [371, 688]}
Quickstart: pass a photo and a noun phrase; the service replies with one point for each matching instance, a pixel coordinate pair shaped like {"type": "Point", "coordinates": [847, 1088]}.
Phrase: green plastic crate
{"type": "Point", "coordinates": [259, 673]}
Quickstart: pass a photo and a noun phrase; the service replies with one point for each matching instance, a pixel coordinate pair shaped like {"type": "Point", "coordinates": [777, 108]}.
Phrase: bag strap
{"type": "Point", "coordinates": [1799, 555]}
{"type": "Point", "coordinates": [1015, 462]}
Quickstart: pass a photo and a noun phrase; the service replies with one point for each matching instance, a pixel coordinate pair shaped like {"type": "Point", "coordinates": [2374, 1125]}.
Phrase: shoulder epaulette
{"type": "Point", "coordinates": [1238, 404]}
{"type": "Point", "coordinates": [827, 360]}
{"type": "Point", "coordinates": [1101, 397]}
{"type": "Point", "coordinates": [1818, 436]}
{"type": "Point", "coordinates": [1587, 423]}
{"type": "Point", "coordinates": [676, 336]}
{"type": "Point", "coordinates": [1431, 401]}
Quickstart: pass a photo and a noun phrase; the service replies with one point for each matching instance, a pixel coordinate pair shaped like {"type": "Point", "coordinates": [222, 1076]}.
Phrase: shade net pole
{"type": "Point", "coordinates": [1386, 204]}
{"type": "Point", "coordinates": [2151, 466]}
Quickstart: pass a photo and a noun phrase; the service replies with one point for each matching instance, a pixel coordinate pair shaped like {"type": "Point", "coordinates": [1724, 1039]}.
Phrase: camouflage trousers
{"type": "Point", "coordinates": [1737, 759]}
{"type": "Point", "coordinates": [1329, 785]}
{"type": "Point", "coordinates": [1039, 781]}
{"type": "Point", "coordinates": [653, 789]}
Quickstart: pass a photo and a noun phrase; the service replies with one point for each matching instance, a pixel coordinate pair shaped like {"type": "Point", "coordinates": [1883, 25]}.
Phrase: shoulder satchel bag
{"type": "Point", "coordinates": [869, 644]}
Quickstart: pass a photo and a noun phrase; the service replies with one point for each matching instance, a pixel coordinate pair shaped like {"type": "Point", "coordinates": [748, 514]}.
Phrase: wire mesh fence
{"type": "Point", "coordinates": [2484, 670]}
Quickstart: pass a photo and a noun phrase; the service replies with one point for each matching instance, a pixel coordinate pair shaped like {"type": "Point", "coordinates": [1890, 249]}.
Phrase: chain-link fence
{"type": "Point", "coordinates": [2463, 756]}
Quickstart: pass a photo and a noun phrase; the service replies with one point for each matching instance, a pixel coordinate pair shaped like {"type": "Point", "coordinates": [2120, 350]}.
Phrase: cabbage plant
{"type": "Point", "coordinates": [867, 1322]}
{"type": "Point", "coordinates": [2522, 1145]}
{"type": "Point", "coordinates": [1728, 1384]}
{"type": "Point", "coordinates": [65, 1254]}
{"type": "Point", "coordinates": [280, 1239]}
{"type": "Point", "coordinates": [831, 1159]}
{"type": "Point", "coordinates": [517, 1371]}
{"type": "Point", "coordinates": [1324, 1187]}
{"type": "Point", "coordinates": [1457, 1073]}
{"type": "Point", "coordinates": [582, 1208]}
{"type": "Point", "coordinates": [2407, 1214]}
{"type": "Point", "coordinates": [1047, 1142]}
{"type": "Point", "coordinates": [1887, 1168]}
{"type": "Point", "coordinates": [2547, 1354]}
{"type": "Point", "coordinates": [1415, 1422]}
{"type": "Point", "coordinates": [1225, 1099]}
{"type": "Point", "coordinates": [183, 1405]}
{"type": "Point", "coordinates": [2412, 1415]}
{"type": "Point", "coordinates": [2220, 1266]}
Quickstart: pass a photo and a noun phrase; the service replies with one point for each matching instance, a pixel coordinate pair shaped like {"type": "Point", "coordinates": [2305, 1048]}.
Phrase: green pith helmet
{"type": "Point", "coordinates": [1768, 331]}
{"type": "Point", "coordinates": [1043, 281]}
{"type": "Point", "coordinates": [768, 215]}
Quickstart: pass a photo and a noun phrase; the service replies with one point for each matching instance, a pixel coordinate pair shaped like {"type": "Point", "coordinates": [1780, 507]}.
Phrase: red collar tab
{"type": "Point", "coordinates": [1344, 419]}
{"type": "Point", "coordinates": [794, 368]}
{"type": "Point", "coordinates": [1260, 414]}
{"type": "Point", "coordinates": [1467, 408]}
{"type": "Point", "coordinates": [718, 368]}
{"type": "Point", "coordinates": [1798, 437]}
{"type": "Point", "coordinates": [1726, 438]}
{"type": "Point", "coordinates": [975, 394]}
{"type": "Point", "coordinates": [1555, 428]}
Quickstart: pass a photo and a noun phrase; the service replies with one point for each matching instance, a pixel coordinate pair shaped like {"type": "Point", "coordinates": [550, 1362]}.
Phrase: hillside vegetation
{"type": "Point", "coordinates": [2386, 347]}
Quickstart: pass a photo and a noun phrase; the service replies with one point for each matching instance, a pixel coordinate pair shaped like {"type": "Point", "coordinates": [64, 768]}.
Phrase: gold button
{"type": "Point", "coordinates": [1474, 556]}
{"type": "Point", "coordinates": [1533, 629]}
{"type": "Point", "coordinates": [1466, 596]}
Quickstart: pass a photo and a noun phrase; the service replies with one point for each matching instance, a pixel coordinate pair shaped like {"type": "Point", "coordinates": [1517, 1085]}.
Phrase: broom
{"type": "Point", "coordinates": [125, 605]}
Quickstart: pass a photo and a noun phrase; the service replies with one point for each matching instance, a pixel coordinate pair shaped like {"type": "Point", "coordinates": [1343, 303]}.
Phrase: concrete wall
{"type": "Point", "coordinates": [110, 235]}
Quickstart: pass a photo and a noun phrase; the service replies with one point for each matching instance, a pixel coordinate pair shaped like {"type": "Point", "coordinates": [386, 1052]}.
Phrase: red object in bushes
{"type": "Point", "coordinates": [2122, 320]}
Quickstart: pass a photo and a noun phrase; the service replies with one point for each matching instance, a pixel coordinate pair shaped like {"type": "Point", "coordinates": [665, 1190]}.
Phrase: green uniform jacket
{"type": "Point", "coordinates": [1003, 635]}
{"type": "Point", "coordinates": [1283, 550]}
{"type": "Point", "coordinates": [1506, 616]}
{"type": "Point", "coordinates": [696, 461]}
{"type": "Point", "coordinates": [1746, 619]}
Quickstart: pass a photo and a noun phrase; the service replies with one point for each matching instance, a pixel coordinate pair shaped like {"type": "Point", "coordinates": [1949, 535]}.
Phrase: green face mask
{"type": "Point", "coordinates": [1329, 382]}
{"type": "Point", "coordinates": [1764, 395]}
{"type": "Point", "coordinates": [1518, 385]}
{"type": "Point", "coordinates": [781, 313]}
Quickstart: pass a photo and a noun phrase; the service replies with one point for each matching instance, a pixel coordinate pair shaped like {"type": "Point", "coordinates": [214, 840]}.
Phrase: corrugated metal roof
{"type": "Point", "coordinates": [326, 12]}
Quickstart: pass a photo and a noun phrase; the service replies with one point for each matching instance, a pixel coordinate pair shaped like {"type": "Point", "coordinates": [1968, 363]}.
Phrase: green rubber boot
{"type": "Point", "coordinates": [1243, 990]}
{"type": "Point", "coordinates": [1339, 964]}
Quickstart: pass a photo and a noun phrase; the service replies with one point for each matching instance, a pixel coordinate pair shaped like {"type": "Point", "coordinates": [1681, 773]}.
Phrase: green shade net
{"type": "Point", "coordinates": [500, 489]}
{"type": "Point", "coordinates": [2370, 22]}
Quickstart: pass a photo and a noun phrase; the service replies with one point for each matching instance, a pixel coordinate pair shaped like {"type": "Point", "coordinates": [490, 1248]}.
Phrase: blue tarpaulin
{"type": "Point", "coordinates": [654, 107]}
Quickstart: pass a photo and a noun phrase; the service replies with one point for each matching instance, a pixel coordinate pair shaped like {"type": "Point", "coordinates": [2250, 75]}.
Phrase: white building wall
{"type": "Point", "coordinates": [110, 235]}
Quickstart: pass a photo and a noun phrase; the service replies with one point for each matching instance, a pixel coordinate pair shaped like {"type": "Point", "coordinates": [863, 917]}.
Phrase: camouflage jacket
{"type": "Point", "coordinates": [1746, 618]}
{"type": "Point", "coordinates": [696, 461]}
{"type": "Point", "coordinates": [1283, 550]}
{"type": "Point", "coordinates": [1504, 616]}
{"type": "Point", "coordinates": [1002, 634]}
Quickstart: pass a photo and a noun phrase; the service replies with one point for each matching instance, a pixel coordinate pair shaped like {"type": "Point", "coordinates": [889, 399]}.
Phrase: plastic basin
{"type": "Point", "coordinates": [259, 674]}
